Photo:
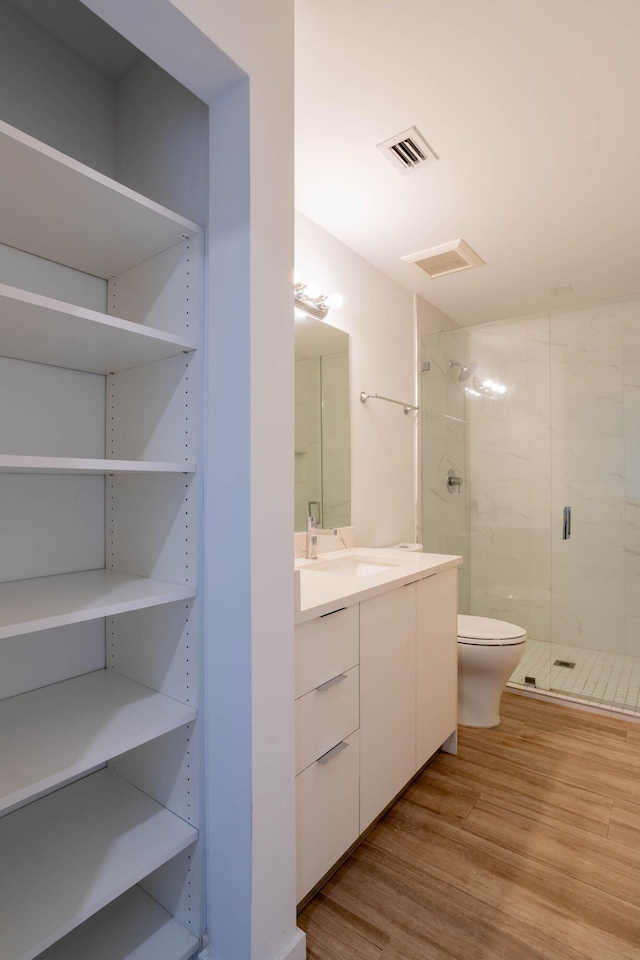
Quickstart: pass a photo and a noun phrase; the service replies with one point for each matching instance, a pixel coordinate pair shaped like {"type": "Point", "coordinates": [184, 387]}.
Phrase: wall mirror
{"type": "Point", "coordinates": [322, 431]}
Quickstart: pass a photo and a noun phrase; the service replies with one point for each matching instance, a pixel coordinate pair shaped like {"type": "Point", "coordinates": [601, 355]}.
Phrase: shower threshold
{"type": "Point", "coordinates": [610, 681]}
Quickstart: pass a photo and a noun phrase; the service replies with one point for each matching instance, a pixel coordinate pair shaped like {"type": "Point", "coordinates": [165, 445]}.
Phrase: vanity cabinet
{"type": "Point", "coordinates": [356, 750]}
{"type": "Point", "coordinates": [327, 710]}
{"type": "Point", "coordinates": [387, 698]}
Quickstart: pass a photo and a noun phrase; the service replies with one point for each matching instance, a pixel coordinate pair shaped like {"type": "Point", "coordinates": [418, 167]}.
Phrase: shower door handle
{"type": "Point", "coordinates": [566, 523]}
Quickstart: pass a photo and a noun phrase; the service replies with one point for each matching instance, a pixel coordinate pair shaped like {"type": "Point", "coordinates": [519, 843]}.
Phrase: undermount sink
{"type": "Point", "coordinates": [354, 566]}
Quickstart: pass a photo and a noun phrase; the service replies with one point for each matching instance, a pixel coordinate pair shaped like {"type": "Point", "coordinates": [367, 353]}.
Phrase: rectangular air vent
{"type": "Point", "coordinates": [446, 258]}
{"type": "Point", "coordinates": [407, 151]}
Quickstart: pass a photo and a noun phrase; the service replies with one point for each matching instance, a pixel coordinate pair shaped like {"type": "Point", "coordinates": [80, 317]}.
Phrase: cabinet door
{"type": "Point", "coordinates": [387, 698]}
{"type": "Point", "coordinates": [436, 662]}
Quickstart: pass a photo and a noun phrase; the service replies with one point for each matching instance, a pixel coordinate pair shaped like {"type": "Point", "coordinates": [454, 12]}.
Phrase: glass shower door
{"type": "Point", "coordinates": [595, 394]}
{"type": "Point", "coordinates": [510, 487]}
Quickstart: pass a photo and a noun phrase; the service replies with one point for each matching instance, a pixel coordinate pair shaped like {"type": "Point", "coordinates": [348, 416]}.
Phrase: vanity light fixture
{"type": "Point", "coordinates": [310, 301]}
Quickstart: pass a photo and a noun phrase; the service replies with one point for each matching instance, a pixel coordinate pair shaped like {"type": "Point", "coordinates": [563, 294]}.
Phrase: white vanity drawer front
{"type": "Point", "coordinates": [327, 812]}
{"type": "Point", "coordinates": [325, 716]}
{"type": "Point", "coordinates": [326, 647]}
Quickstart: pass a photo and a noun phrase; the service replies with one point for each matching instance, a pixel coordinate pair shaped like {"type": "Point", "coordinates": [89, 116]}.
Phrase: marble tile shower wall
{"type": "Point", "coordinates": [595, 456]}
{"type": "Point", "coordinates": [336, 441]}
{"type": "Point", "coordinates": [444, 447]}
{"type": "Point", "coordinates": [308, 481]}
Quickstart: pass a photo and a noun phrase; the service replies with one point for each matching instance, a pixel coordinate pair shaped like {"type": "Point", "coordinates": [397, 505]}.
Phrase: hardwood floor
{"type": "Point", "coordinates": [524, 846]}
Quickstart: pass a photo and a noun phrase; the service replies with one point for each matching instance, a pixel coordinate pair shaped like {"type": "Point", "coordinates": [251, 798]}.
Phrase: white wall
{"type": "Point", "coordinates": [53, 95]}
{"type": "Point", "coordinates": [431, 320]}
{"type": "Point", "coordinates": [378, 314]}
{"type": "Point", "coordinates": [24, 270]}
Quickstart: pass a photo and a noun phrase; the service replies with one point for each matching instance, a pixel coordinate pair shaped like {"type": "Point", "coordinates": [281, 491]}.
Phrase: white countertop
{"type": "Point", "coordinates": [324, 591]}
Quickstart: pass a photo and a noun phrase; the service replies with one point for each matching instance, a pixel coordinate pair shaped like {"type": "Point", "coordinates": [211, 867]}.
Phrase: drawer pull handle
{"type": "Point", "coordinates": [330, 754]}
{"type": "Point", "coordinates": [331, 612]}
{"type": "Point", "coordinates": [332, 682]}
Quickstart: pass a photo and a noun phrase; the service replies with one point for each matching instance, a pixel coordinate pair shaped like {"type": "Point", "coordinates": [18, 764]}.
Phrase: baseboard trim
{"type": "Point", "coordinates": [297, 949]}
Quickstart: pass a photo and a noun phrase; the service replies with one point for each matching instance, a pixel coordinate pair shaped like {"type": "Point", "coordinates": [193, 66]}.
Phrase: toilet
{"type": "Point", "coordinates": [488, 653]}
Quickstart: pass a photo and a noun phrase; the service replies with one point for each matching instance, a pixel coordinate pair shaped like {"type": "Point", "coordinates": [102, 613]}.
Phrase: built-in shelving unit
{"type": "Point", "coordinates": [58, 601]}
{"type": "Point", "coordinates": [66, 856]}
{"type": "Point", "coordinates": [101, 782]}
{"type": "Point", "coordinates": [81, 465]}
{"type": "Point", "coordinates": [49, 735]}
{"type": "Point", "coordinates": [133, 927]}
{"type": "Point", "coordinates": [64, 211]}
{"type": "Point", "coordinates": [37, 328]}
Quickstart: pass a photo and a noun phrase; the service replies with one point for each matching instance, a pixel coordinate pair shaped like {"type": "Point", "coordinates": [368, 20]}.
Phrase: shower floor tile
{"type": "Point", "coordinates": [610, 679]}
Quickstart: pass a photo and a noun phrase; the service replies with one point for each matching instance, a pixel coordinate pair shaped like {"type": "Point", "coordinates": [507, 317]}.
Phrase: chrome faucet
{"type": "Point", "coordinates": [312, 537]}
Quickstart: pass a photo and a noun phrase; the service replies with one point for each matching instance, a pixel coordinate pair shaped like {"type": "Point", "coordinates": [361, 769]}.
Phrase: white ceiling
{"type": "Point", "coordinates": [532, 108]}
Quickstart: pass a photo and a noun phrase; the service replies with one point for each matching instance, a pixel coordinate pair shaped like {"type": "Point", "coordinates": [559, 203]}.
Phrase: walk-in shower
{"type": "Point", "coordinates": [564, 432]}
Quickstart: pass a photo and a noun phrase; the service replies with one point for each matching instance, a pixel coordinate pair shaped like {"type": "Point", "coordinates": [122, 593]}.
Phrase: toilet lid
{"type": "Point", "coordinates": [484, 631]}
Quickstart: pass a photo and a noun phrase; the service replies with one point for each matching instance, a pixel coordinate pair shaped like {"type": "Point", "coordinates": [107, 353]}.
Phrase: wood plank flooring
{"type": "Point", "coordinates": [524, 846]}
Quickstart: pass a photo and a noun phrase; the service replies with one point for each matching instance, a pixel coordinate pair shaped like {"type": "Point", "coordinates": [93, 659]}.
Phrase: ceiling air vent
{"type": "Point", "coordinates": [447, 258]}
{"type": "Point", "coordinates": [407, 151]}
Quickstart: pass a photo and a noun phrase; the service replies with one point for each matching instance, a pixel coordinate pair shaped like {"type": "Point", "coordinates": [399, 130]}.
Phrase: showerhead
{"type": "Point", "coordinates": [465, 371]}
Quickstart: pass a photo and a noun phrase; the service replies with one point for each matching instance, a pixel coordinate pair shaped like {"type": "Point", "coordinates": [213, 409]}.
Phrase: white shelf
{"type": "Point", "coordinates": [63, 465]}
{"type": "Point", "coordinates": [70, 854]}
{"type": "Point", "coordinates": [45, 602]}
{"type": "Point", "coordinates": [133, 927]}
{"type": "Point", "coordinates": [60, 209]}
{"type": "Point", "coordinates": [42, 330]}
{"type": "Point", "coordinates": [50, 735]}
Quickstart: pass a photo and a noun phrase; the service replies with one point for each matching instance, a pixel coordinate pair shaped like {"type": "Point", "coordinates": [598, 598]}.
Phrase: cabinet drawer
{"type": "Point", "coordinates": [325, 716]}
{"type": "Point", "coordinates": [327, 813]}
{"type": "Point", "coordinates": [326, 647]}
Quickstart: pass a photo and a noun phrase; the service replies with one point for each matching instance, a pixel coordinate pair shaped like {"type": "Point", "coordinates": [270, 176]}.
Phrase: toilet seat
{"type": "Point", "coordinates": [484, 632]}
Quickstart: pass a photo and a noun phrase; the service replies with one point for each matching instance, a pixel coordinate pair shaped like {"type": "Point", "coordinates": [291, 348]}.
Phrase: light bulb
{"type": "Point", "coordinates": [335, 300]}
{"type": "Point", "coordinates": [313, 291]}
{"type": "Point", "coordinates": [501, 388]}
{"type": "Point", "coordinates": [487, 383]}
